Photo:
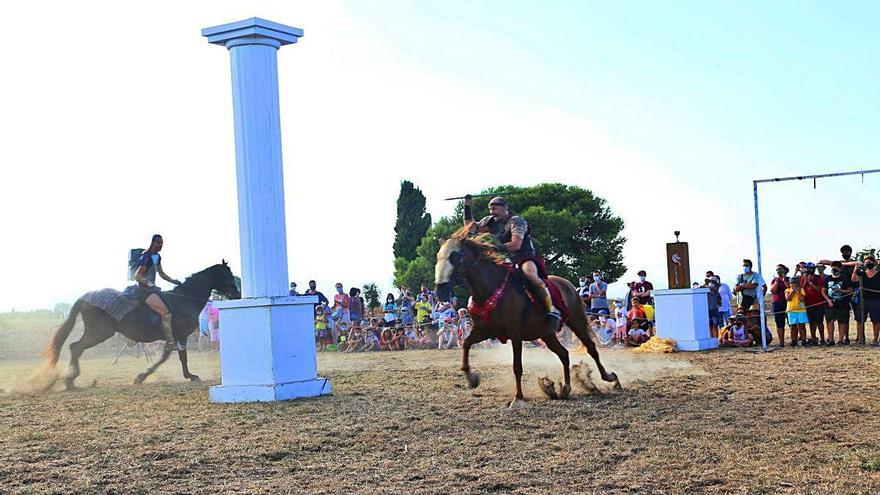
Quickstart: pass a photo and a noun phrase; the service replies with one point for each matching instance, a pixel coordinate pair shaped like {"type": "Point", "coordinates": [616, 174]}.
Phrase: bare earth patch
{"type": "Point", "coordinates": [795, 421]}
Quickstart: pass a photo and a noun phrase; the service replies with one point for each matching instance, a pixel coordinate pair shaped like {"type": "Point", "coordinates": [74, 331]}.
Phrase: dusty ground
{"type": "Point", "coordinates": [794, 421]}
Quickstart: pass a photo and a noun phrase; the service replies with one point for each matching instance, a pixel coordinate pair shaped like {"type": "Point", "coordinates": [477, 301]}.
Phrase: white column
{"type": "Point", "coordinates": [267, 350]}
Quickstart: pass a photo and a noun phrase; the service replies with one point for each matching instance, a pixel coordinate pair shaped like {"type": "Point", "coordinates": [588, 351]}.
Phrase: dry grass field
{"type": "Point", "coordinates": [792, 421]}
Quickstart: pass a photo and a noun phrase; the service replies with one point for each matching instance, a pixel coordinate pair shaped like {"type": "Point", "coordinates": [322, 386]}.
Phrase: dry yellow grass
{"type": "Point", "coordinates": [796, 421]}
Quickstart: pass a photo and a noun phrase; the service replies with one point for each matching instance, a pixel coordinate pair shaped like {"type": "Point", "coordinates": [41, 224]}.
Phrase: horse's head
{"type": "Point", "coordinates": [224, 282]}
{"type": "Point", "coordinates": [449, 267]}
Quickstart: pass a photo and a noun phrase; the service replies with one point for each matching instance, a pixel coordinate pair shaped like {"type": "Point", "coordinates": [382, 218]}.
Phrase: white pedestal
{"type": "Point", "coordinates": [683, 315]}
{"type": "Point", "coordinates": [267, 350]}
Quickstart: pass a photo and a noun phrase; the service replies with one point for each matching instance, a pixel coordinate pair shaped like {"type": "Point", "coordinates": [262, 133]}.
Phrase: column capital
{"type": "Point", "coordinates": [253, 31]}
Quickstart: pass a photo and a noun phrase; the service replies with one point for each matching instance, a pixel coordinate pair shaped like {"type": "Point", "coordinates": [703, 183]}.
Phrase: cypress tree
{"type": "Point", "coordinates": [413, 221]}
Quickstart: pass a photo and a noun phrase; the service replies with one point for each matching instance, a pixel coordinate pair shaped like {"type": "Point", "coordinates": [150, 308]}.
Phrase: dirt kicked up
{"type": "Point", "coordinates": [793, 421]}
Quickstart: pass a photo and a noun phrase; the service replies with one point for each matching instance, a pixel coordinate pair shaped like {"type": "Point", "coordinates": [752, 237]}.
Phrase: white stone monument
{"type": "Point", "coordinates": [683, 315]}
{"type": "Point", "coordinates": [267, 350]}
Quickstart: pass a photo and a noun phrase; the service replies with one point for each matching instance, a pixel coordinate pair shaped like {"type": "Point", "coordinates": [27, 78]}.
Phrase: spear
{"type": "Point", "coordinates": [478, 196]}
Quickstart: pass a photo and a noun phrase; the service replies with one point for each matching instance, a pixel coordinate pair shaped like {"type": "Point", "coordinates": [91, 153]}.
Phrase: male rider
{"type": "Point", "coordinates": [149, 264]}
{"type": "Point", "coordinates": [512, 232]}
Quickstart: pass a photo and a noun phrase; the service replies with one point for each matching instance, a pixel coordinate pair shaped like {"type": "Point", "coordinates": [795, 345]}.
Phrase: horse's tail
{"type": "Point", "coordinates": [53, 351]}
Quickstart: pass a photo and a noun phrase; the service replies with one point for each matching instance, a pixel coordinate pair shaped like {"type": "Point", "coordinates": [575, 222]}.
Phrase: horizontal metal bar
{"type": "Point", "coordinates": [819, 176]}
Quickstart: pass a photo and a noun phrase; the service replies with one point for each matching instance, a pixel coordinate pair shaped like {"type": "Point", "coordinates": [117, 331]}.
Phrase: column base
{"type": "Point", "coordinates": [270, 393]}
{"type": "Point", "coordinates": [696, 345]}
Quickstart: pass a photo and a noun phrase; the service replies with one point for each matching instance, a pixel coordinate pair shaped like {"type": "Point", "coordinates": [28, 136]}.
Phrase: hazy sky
{"type": "Point", "coordinates": [116, 123]}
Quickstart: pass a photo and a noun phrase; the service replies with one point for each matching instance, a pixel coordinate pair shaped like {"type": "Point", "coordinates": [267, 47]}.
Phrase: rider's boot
{"type": "Point", "coordinates": [554, 318]}
{"type": "Point", "coordinates": [167, 334]}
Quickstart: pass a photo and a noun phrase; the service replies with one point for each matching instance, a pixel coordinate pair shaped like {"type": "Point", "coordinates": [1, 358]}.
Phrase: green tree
{"type": "Point", "coordinates": [574, 230]}
{"type": "Point", "coordinates": [865, 252]}
{"type": "Point", "coordinates": [412, 221]}
{"type": "Point", "coordinates": [371, 294]}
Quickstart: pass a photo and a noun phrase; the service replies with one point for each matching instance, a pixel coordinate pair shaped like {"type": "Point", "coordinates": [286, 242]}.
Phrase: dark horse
{"type": "Point", "coordinates": [185, 302]}
{"type": "Point", "coordinates": [514, 317]}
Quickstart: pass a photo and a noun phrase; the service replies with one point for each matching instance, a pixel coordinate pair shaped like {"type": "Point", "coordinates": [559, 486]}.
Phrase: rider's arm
{"type": "Point", "coordinates": [140, 278]}
{"type": "Point", "coordinates": [514, 244]}
{"type": "Point", "coordinates": [164, 276]}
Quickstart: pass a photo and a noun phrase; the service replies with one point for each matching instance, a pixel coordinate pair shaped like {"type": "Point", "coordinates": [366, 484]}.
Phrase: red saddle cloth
{"type": "Point", "coordinates": [555, 296]}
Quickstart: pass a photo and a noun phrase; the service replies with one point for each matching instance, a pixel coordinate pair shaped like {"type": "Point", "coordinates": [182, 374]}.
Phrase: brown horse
{"type": "Point", "coordinates": [514, 317]}
{"type": "Point", "coordinates": [185, 303]}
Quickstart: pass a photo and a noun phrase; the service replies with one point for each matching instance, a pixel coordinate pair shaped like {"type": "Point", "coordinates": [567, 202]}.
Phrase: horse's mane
{"type": "Point", "coordinates": [482, 245]}
{"type": "Point", "coordinates": [193, 276]}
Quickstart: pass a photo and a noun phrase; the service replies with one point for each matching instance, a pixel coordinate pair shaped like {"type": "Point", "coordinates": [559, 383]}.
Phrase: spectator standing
{"type": "Point", "coordinates": [355, 306]}
{"type": "Point", "coordinates": [407, 314]}
{"type": "Point", "coordinates": [598, 298]}
{"type": "Point", "coordinates": [748, 283]}
{"type": "Point", "coordinates": [340, 312]}
{"type": "Point", "coordinates": [293, 291]}
{"type": "Point", "coordinates": [848, 266]}
{"type": "Point", "coordinates": [837, 291]}
{"type": "Point", "coordinates": [812, 284]}
{"type": "Point", "coordinates": [726, 296]}
{"type": "Point", "coordinates": [423, 309]}
{"type": "Point", "coordinates": [714, 303]}
{"type": "Point", "coordinates": [643, 289]}
{"type": "Point", "coordinates": [584, 292]}
{"type": "Point", "coordinates": [214, 325]}
{"type": "Point", "coordinates": [796, 310]}
{"type": "Point", "coordinates": [390, 310]}
{"type": "Point", "coordinates": [313, 291]}
{"type": "Point", "coordinates": [869, 278]}
{"type": "Point", "coordinates": [778, 303]}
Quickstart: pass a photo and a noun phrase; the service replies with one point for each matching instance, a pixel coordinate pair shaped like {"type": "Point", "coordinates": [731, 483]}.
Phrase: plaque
{"type": "Point", "coordinates": [678, 265]}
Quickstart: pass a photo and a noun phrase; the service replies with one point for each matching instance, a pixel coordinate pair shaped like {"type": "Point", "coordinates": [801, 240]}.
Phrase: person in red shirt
{"type": "Point", "coordinates": [637, 322]}
{"type": "Point", "coordinates": [815, 302]}
{"type": "Point", "coordinates": [778, 304]}
{"type": "Point", "coordinates": [643, 289]}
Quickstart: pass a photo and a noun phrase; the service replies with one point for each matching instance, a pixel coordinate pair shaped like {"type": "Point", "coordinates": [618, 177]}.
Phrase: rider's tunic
{"type": "Point", "coordinates": [151, 262]}
{"type": "Point", "coordinates": [504, 232]}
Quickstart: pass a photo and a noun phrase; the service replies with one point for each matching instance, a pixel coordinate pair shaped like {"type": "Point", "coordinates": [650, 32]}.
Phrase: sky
{"type": "Point", "coordinates": [116, 123]}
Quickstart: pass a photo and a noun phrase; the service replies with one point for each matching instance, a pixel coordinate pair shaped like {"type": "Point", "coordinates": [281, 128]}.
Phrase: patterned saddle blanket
{"type": "Point", "coordinates": [112, 302]}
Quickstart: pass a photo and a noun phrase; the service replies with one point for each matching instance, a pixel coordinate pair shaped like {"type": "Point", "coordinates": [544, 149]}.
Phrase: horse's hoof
{"type": "Point", "coordinates": [140, 378]}
{"type": "Point", "coordinates": [565, 392]}
{"type": "Point", "coordinates": [473, 380]}
{"type": "Point", "coordinates": [612, 377]}
{"type": "Point", "coordinates": [517, 404]}
{"type": "Point", "coordinates": [195, 378]}
{"type": "Point", "coordinates": [548, 387]}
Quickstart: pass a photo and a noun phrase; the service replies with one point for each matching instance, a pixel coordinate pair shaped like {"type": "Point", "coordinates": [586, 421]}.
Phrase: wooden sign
{"type": "Point", "coordinates": [678, 265]}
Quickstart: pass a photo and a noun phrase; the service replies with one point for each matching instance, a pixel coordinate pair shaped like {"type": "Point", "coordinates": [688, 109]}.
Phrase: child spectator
{"type": "Point", "coordinates": [448, 334]}
{"type": "Point", "coordinates": [390, 318]}
{"type": "Point", "coordinates": [814, 302]}
{"type": "Point", "coordinates": [398, 342]}
{"type": "Point", "coordinates": [386, 338]}
{"type": "Point", "coordinates": [637, 322]}
{"type": "Point", "coordinates": [355, 305]}
{"type": "Point", "coordinates": [838, 290]}
{"type": "Point", "coordinates": [355, 339]}
{"type": "Point", "coordinates": [736, 335]}
{"type": "Point", "coordinates": [465, 325]}
{"type": "Point", "coordinates": [796, 310]}
{"type": "Point", "coordinates": [372, 339]}
{"type": "Point", "coordinates": [412, 338]}
{"type": "Point", "coordinates": [778, 303]}
{"type": "Point", "coordinates": [322, 334]}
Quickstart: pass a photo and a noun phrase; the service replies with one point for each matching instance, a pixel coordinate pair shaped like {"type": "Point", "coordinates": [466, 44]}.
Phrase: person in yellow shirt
{"type": "Point", "coordinates": [796, 310]}
{"type": "Point", "coordinates": [423, 310]}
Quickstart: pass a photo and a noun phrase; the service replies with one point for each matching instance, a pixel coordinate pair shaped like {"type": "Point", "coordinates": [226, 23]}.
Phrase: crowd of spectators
{"type": "Point", "coordinates": [401, 322]}
{"type": "Point", "coordinates": [810, 298]}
